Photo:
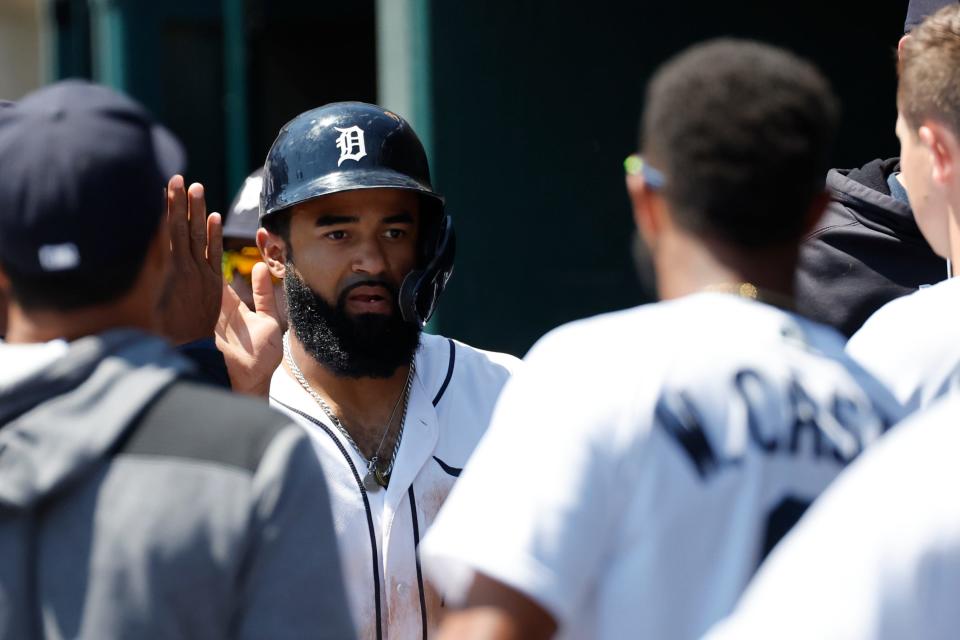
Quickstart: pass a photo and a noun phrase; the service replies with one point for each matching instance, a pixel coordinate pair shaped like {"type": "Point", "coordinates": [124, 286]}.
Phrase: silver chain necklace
{"type": "Point", "coordinates": [375, 477]}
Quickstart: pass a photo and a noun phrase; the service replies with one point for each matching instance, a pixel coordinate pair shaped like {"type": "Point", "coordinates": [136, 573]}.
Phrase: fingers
{"type": "Point", "coordinates": [264, 297]}
{"type": "Point", "coordinates": [230, 306]}
{"type": "Point", "coordinates": [215, 243]}
{"type": "Point", "coordinates": [177, 217]}
{"type": "Point", "coordinates": [198, 222]}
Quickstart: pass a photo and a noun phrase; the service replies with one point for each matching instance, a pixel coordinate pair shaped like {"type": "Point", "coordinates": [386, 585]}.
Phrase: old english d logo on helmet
{"type": "Point", "coordinates": [346, 146]}
{"type": "Point", "coordinates": [351, 144]}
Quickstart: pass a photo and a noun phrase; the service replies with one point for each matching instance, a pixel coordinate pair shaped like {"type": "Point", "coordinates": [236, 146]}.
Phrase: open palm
{"type": "Point", "coordinates": [251, 341]}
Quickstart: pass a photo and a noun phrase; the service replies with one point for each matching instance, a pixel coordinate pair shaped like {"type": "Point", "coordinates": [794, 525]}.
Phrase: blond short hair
{"type": "Point", "coordinates": [929, 71]}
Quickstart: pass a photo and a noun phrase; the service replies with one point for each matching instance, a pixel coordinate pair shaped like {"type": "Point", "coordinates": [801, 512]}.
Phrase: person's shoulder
{"type": "Point", "coordinates": [443, 362]}
{"type": "Point", "coordinates": [746, 335]}
{"type": "Point", "coordinates": [472, 356]}
{"type": "Point", "coordinates": [889, 334]}
{"type": "Point", "coordinates": [901, 317]}
{"type": "Point", "coordinates": [829, 344]}
{"type": "Point", "coordinates": [598, 334]}
{"type": "Point", "coordinates": [827, 338]}
{"type": "Point", "coordinates": [860, 202]}
{"type": "Point", "coordinates": [929, 429]}
{"type": "Point", "coordinates": [639, 336]}
{"type": "Point", "coordinates": [606, 357]}
{"type": "Point", "coordinates": [196, 421]}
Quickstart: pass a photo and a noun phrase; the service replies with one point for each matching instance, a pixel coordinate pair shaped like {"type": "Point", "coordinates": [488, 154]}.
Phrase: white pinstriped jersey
{"type": "Point", "coordinates": [451, 400]}
{"type": "Point", "coordinates": [642, 463]}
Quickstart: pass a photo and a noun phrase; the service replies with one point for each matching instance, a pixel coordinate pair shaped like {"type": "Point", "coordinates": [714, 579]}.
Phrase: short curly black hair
{"type": "Point", "coordinates": [743, 133]}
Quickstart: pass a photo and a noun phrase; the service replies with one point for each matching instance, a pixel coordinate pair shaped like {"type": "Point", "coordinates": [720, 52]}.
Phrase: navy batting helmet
{"type": "Point", "coordinates": [346, 146]}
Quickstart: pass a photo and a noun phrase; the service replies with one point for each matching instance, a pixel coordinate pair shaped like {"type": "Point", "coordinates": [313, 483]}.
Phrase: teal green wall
{"type": "Point", "coordinates": [224, 75]}
{"type": "Point", "coordinates": [535, 106]}
{"type": "Point", "coordinates": [528, 109]}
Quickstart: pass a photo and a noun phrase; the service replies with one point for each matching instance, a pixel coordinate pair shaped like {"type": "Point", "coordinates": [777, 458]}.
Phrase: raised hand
{"type": "Point", "coordinates": [251, 341]}
{"type": "Point", "coordinates": [196, 242]}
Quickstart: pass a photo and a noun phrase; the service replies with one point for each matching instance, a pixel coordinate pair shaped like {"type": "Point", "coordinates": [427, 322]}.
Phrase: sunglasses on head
{"type": "Point", "coordinates": [240, 262]}
{"type": "Point", "coordinates": [635, 165]}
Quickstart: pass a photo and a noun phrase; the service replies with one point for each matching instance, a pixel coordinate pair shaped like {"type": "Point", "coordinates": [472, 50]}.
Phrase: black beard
{"type": "Point", "coordinates": [369, 345]}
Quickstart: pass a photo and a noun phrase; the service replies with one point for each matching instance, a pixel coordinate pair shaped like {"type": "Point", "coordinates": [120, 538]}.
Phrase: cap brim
{"type": "Point", "coordinates": [170, 155]}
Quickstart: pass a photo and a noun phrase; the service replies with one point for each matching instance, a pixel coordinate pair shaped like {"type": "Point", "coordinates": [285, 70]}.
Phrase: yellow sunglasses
{"type": "Point", "coordinates": [635, 165]}
{"type": "Point", "coordinates": [240, 262]}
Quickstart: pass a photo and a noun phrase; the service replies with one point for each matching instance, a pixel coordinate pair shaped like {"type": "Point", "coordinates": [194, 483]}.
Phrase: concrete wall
{"type": "Point", "coordinates": [21, 59]}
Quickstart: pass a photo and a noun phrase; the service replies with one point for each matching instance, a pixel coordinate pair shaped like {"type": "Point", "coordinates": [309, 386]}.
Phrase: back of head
{"type": "Point", "coordinates": [82, 194]}
{"type": "Point", "coordinates": [929, 70]}
{"type": "Point", "coordinates": [742, 132]}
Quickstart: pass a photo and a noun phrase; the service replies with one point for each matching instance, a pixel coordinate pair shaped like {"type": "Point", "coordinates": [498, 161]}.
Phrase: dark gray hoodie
{"type": "Point", "coordinates": [865, 251]}
{"type": "Point", "coordinates": [134, 504]}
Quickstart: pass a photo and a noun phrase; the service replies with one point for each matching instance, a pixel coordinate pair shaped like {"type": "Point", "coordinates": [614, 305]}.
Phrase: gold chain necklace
{"type": "Point", "coordinates": [375, 477]}
{"type": "Point", "coordinates": [752, 292]}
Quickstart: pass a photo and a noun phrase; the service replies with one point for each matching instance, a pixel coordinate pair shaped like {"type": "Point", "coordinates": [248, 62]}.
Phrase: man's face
{"type": "Point", "coordinates": [348, 238]}
{"type": "Point", "coordinates": [927, 201]}
{"type": "Point", "coordinates": [351, 252]}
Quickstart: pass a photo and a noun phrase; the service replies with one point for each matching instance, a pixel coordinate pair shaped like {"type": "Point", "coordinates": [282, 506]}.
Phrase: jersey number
{"type": "Point", "coordinates": [780, 520]}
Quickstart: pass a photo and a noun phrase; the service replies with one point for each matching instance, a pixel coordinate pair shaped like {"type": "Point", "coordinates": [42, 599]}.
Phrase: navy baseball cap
{"type": "Point", "coordinates": [83, 171]}
{"type": "Point", "coordinates": [917, 10]}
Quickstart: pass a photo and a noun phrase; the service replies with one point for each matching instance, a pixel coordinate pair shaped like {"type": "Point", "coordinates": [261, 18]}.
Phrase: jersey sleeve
{"type": "Point", "coordinates": [879, 348]}
{"type": "Point", "coordinates": [877, 557]}
{"type": "Point", "coordinates": [917, 371]}
{"type": "Point", "coordinates": [291, 583]}
{"type": "Point", "coordinates": [537, 500]}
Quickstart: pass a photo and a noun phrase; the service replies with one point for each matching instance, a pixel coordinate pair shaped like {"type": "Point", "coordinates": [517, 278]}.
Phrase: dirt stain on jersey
{"type": "Point", "coordinates": [367, 630]}
{"type": "Point", "coordinates": [435, 611]}
{"type": "Point", "coordinates": [403, 610]}
{"type": "Point", "coordinates": [433, 499]}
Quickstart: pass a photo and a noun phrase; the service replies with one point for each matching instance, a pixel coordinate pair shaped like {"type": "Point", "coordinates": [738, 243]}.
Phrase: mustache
{"type": "Point", "coordinates": [367, 281]}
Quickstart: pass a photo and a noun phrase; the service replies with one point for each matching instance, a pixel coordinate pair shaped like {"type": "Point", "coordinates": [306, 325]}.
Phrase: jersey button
{"type": "Point", "coordinates": [401, 588]}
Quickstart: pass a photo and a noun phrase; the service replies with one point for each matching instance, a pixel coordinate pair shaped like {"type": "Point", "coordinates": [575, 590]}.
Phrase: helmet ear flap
{"type": "Point", "coordinates": [408, 297]}
{"type": "Point", "coordinates": [421, 288]}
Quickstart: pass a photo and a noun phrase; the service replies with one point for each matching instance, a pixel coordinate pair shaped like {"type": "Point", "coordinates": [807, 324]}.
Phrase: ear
{"type": "Point", "coordinates": [647, 210]}
{"type": "Point", "coordinates": [815, 212]}
{"type": "Point", "coordinates": [274, 252]}
{"type": "Point", "coordinates": [944, 150]}
{"type": "Point", "coordinates": [900, 44]}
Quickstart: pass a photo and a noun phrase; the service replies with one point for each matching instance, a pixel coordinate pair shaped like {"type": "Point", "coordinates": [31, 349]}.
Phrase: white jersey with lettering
{"type": "Point", "coordinates": [641, 465]}
{"type": "Point", "coordinates": [451, 401]}
{"type": "Point", "coordinates": [912, 344]}
{"type": "Point", "coordinates": [878, 556]}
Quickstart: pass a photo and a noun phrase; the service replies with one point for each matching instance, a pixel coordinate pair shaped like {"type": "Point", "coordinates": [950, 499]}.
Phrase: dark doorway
{"type": "Point", "coordinates": [303, 54]}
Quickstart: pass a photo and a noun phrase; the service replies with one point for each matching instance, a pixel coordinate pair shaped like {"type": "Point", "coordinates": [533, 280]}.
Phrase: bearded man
{"type": "Point", "coordinates": [353, 227]}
